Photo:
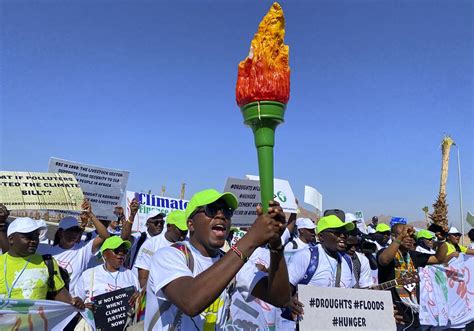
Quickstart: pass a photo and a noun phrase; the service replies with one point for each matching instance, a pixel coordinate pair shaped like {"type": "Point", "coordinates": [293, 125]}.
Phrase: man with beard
{"type": "Point", "coordinates": [26, 274]}
{"type": "Point", "coordinates": [398, 259]}
{"type": "Point", "coordinates": [190, 283]}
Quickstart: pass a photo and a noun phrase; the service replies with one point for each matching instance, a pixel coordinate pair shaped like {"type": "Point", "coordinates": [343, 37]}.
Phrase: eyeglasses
{"type": "Point", "coordinates": [212, 210]}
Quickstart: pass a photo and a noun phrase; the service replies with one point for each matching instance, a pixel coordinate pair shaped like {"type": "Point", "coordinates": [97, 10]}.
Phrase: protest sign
{"type": "Point", "coordinates": [151, 205]}
{"type": "Point", "coordinates": [470, 219]}
{"type": "Point", "coordinates": [248, 195]}
{"type": "Point", "coordinates": [103, 187]}
{"type": "Point", "coordinates": [328, 308]}
{"type": "Point", "coordinates": [313, 197]}
{"type": "Point", "coordinates": [39, 190]}
{"type": "Point", "coordinates": [111, 308]}
{"type": "Point", "coordinates": [282, 193]}
{"type": "Point", "coordinates": [359, 215]}
{"type": "Point", "coordinates": [38, 315]}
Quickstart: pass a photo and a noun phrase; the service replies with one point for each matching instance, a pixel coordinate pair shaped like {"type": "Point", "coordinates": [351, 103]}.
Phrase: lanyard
{"type": "Point", "coordinates": [114, 278]}
{"type": "Point", "coordinates": [10, 289]}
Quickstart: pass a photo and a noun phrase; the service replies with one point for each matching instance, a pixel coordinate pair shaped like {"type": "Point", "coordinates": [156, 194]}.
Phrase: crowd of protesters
{"type": "Point", "coordinates": [194, 271]}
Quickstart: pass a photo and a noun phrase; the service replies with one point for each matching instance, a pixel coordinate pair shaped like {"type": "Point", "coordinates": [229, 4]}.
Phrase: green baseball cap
{"type": "Point", "coordinates": [178, 218]}
{"type": "Point", "coordinates": [382, 227]}
{"type": "Point", "coordinates": [424, 234]}
{"type": "Point", "coordinates": [207, 197]}
{"type": "Point", "coordinates": [333, 222]}
{"type": "Point", "coordinates": [114, 242]}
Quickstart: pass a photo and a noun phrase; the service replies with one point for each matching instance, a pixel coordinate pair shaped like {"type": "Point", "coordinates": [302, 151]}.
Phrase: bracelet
{"type": "Point", "coordinates": [239, 253]}
{"type": "Point", "coordinates": [127, 220]}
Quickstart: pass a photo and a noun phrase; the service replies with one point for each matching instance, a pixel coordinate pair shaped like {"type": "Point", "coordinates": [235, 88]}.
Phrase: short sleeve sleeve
{"type": "Point", "coordinates": [168, 263]}
{"type": "Point", "coordinates": [247, 278]}
{"type": "Point", "coordinates": [297, 266]}
{"type": "Point", "coordinates": [144, 255]}
{"type": "Point", "coordinates": [463, 249]}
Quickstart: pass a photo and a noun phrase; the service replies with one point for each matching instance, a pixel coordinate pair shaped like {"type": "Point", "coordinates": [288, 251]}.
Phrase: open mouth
{"type": "Point", "coordinates": [219, 230]}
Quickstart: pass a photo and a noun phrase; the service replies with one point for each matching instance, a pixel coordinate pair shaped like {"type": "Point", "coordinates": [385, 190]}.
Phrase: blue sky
{"type": "Point", "coordinates": [149, 87]}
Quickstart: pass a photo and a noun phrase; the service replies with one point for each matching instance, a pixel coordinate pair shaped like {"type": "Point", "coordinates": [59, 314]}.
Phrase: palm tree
{"type": "Point", "coordinates": [425, 210]}
{"type": "Point", "coordinates": [440, 213]}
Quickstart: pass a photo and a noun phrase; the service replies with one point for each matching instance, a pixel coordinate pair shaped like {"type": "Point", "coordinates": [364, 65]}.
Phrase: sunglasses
{"type": "Point", "coordinates": [156, 223]}
{"type": "Point", "coordinates": [212, 210]}
{"type": "Point", "coordinates": [120, 250]}
{"type": "Point", "coordinates": [337, 233]}
{"type": "Point", "coordinates": [456, 234]}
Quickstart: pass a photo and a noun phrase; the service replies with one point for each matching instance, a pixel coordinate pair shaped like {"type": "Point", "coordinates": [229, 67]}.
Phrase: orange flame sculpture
{"type": "Point", "coordinates": [265, 72]}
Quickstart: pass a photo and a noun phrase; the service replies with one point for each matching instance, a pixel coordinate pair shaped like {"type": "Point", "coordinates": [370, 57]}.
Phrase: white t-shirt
{"type": "Point", "coordinates": [325, 275]}
{"type": "Point", "coordinates": [148, 249]}
{"type": "Point", "coordinates": [471, 245]}
{"type": "Point", "coordinates": [425, 251]}
{"type": "Point", "coordinates": [365, 278]}
{"type": "Point", "coordinates": [102, 281]}
{"type": "Point", "coordinates": [133, 250]}
{"type": "Point", "coordinates": [74, 260]}
{"type": "Point", "coordinates": [169, 263]}
{"type": "Point", "coordinates": [299, 245]}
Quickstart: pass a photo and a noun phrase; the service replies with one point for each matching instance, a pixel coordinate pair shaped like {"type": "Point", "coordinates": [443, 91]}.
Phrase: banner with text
{"type": "Point", "coordinates": [328, 308]}
{"type": "Point", "coordinates": [111, 309]}
{"type": "Point", "coordinates": [282, 193]}
{"type": "Point", "coordinates": [39, 190]}
{"type": "Point", "coordinates": [447, 293]}
{"type": "Point", "coordinates": [38, 315]}
{"type": "Point", "coordinates": [102, 186]}
{"type": "Point", "coordinates": [151, 205]}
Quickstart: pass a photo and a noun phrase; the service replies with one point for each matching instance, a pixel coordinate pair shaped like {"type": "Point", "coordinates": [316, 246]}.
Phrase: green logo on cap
{"type": "Point", "coordinates": [281, 196]}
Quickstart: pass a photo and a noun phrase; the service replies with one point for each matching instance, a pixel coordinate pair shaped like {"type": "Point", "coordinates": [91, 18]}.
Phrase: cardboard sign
{"type": "Point", "coordinates": [313, 197]}
{"type": "Point", "coordinates": [248, 195]}
{"type": "Point", "coordinates": [328, 308]}
{"type": "Point", "coordinates": [39, 190]}
{"type": "Point", "coordinates": [282, 193]}
{"type": "Point", "coordinates": [151, 205]}
{"type": "Point", "coordinates": [103, 187]}
{"type": "Point", "coordinates": [110, 309]}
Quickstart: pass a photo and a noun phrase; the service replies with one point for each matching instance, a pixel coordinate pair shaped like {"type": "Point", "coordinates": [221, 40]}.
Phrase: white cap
{"type": "Point", "coordinates": [68, 222]}
{"type": "Point", "coordinates": [350, 218]}
{"type": "Point", "coordinates": [305, 223]}
{"type": "Point", "coordinates": [453, 230]}
{"type": "Point", "coordinates": [24, 225]}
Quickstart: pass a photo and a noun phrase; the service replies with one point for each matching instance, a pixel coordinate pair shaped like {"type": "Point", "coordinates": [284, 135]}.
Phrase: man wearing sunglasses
{"type": "Point", "coordinates": [326, 264]}
{"type": "Point", "coordinates": [154, 226]}
{"type": "Point", "coordinates": [176, 230]}
{"type": "Point", "coordinates": [189, 283]}
{"type": "Point", "coordinates": [398, 259]}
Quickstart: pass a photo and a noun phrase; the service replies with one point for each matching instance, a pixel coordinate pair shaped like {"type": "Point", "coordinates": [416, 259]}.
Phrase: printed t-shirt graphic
{"type": "Point", "coordinates": [26, 277]}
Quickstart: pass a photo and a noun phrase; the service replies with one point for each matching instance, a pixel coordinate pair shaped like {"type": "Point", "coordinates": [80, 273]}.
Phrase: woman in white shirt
{"type": "Point", "coordinates": [111, 275]}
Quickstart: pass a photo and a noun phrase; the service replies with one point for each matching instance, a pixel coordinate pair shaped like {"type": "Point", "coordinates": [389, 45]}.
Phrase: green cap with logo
{"type": "Point", "coordinates": [207, 197]}
{"type": "Point", "coordinates": [382, 227]}
{"type": "Point", "coordinates": [424, 234]}
{"type": "Point", "coordinates": [178, 218]}
{"type": "Point", "coordinates": [333, 222]}
{"type": "Point", "coordinates": [114, 242]}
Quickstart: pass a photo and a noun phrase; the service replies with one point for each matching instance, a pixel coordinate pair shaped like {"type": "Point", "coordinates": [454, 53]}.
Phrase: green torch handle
{"type": "Point", "coordinates": [263, 117]}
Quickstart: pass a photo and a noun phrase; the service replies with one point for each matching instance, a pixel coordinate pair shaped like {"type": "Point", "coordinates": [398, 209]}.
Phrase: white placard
{"type": "Point", "coordinates": [328, 308]}
{"type": "Point", "coordinates": [282, 193]}
{"type": "Point", "coordinates": [313, 197]}
{"type": "Point", "coordinates": [248, 195]}
{"type": "Point", "coordinates": [102, 186]}
{"type": "Point", "coordinates": [151, 205]}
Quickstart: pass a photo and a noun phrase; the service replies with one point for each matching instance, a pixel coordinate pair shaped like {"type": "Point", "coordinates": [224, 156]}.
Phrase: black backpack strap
{"type": "Point", "coordinates": [140, 242]}
{"type": "Point", "coordinates": [48, 260]}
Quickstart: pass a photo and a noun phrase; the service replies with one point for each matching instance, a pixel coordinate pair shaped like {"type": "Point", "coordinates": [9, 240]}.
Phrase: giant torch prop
{"type": "Point", "coordinates": [263, 90]}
